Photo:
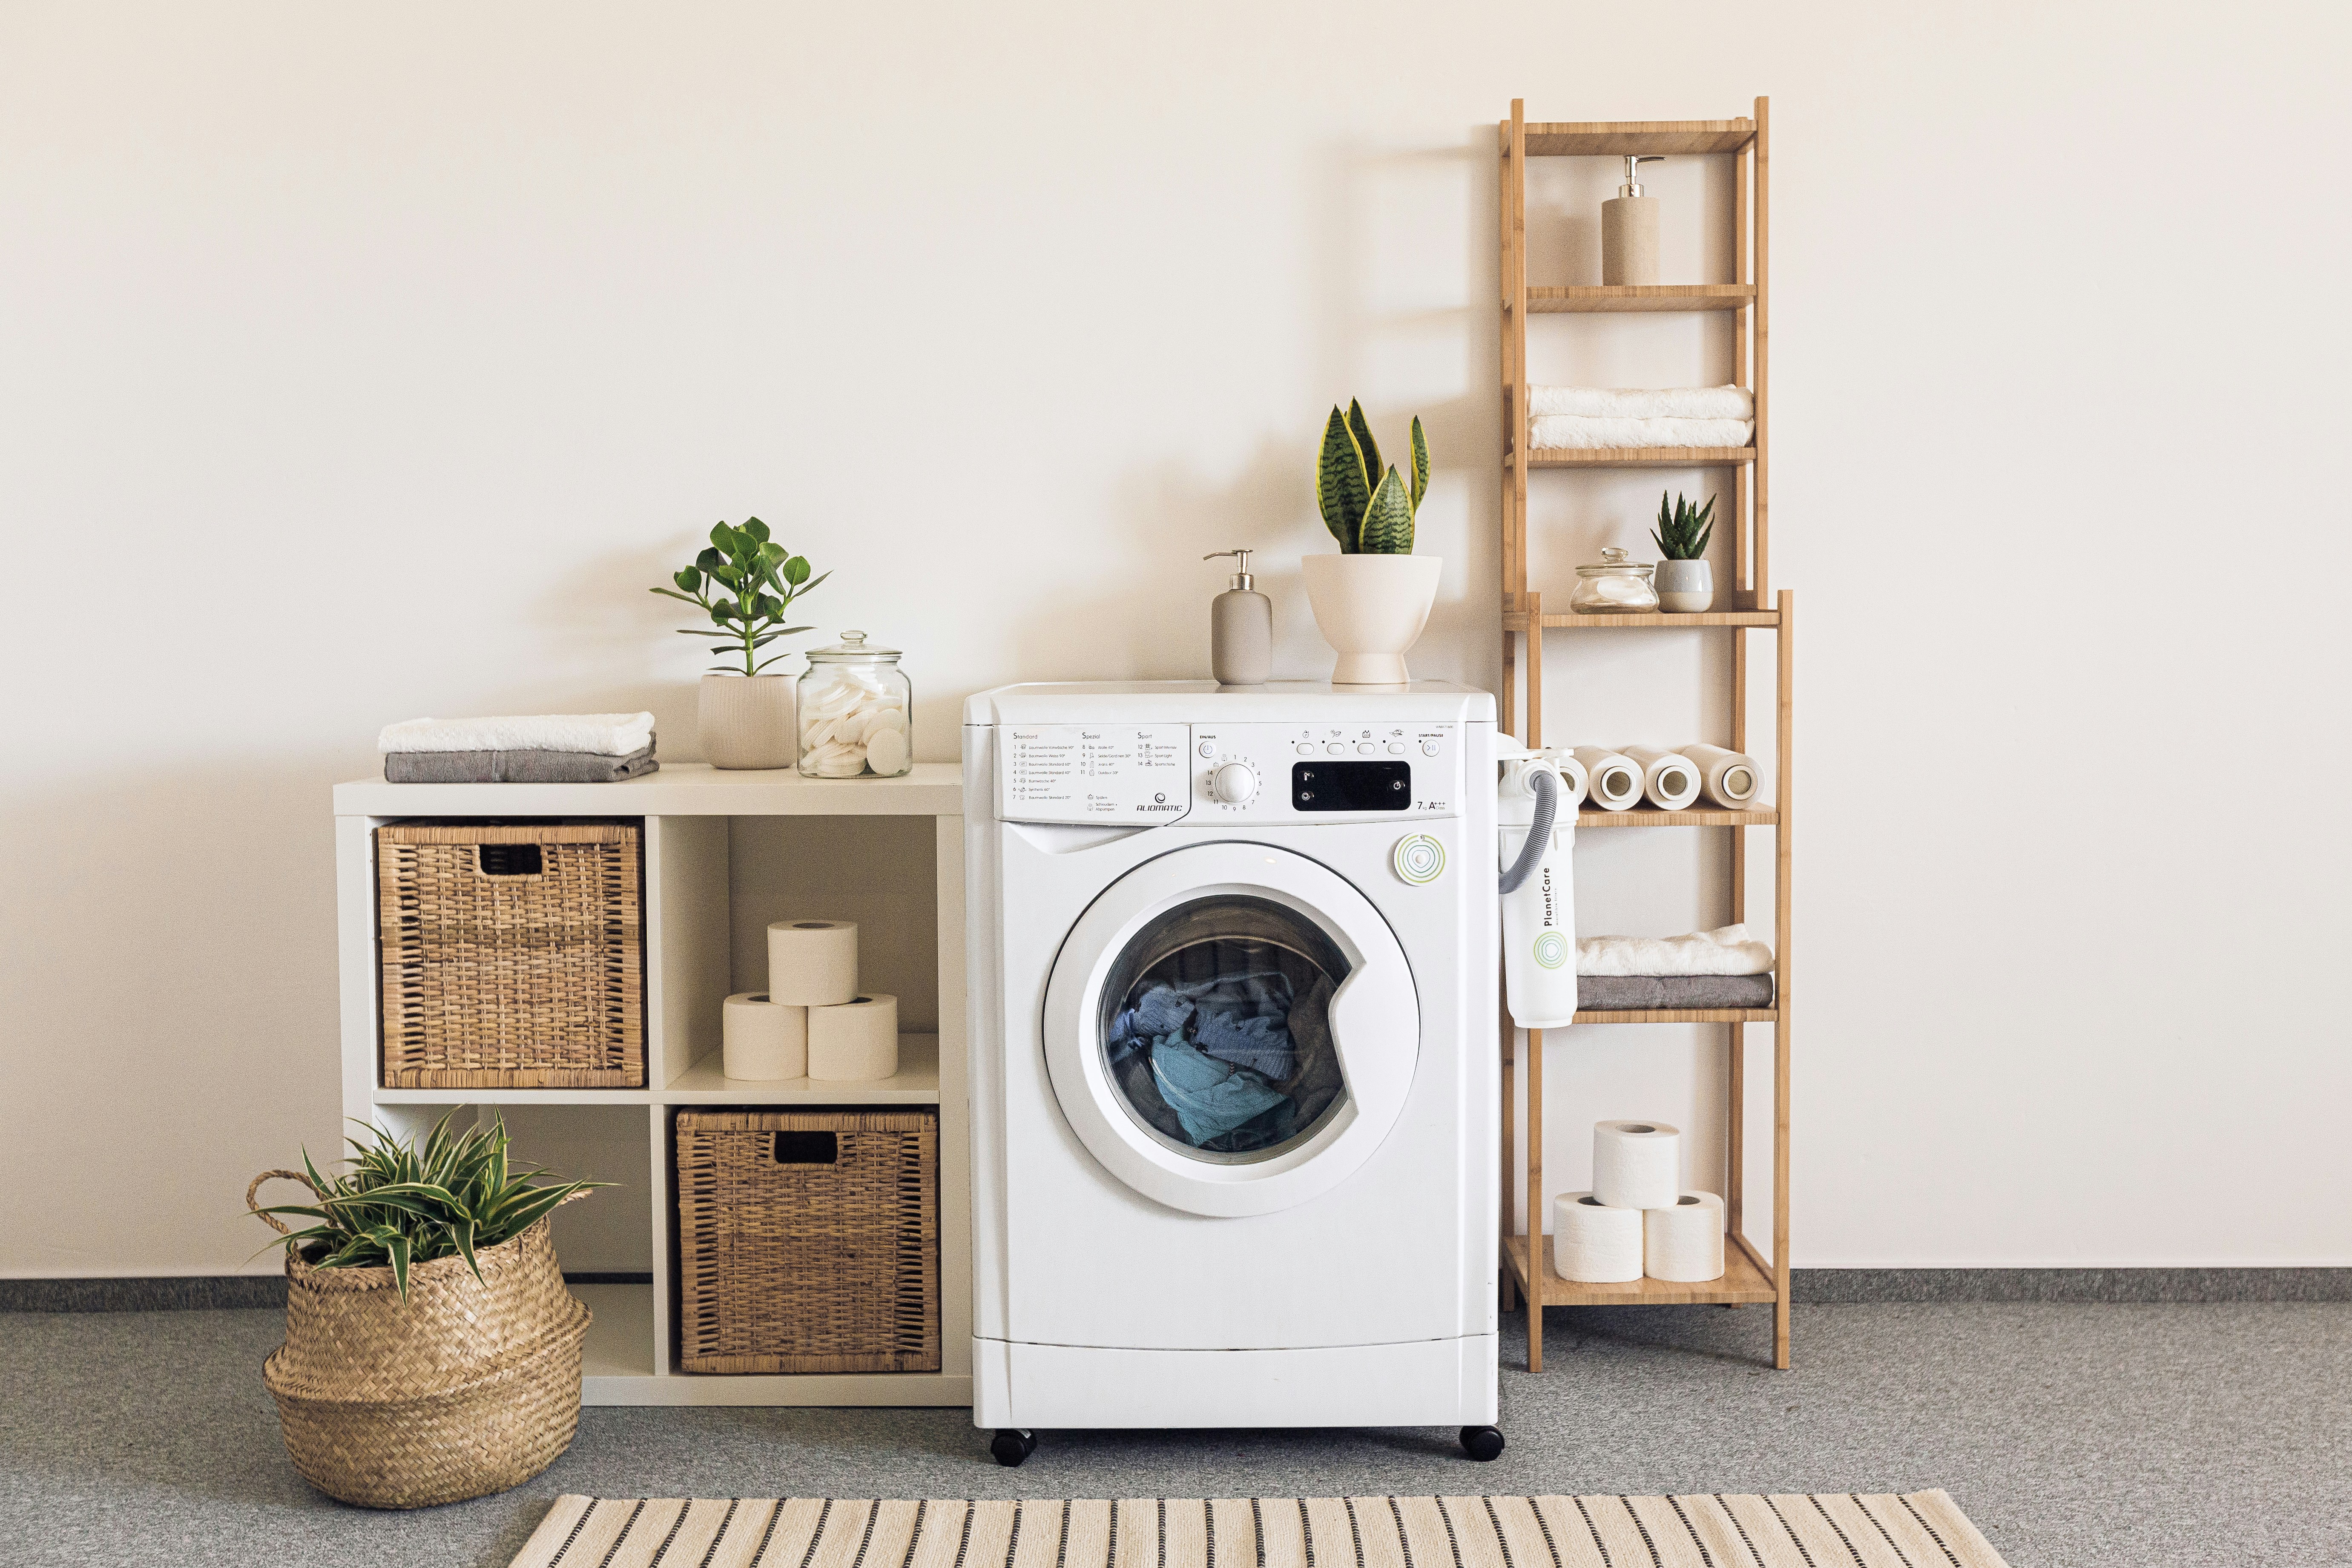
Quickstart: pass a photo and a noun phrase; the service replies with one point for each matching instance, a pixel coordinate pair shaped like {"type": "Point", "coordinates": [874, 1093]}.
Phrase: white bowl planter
{"type": "Point", "coordinates": [1685, 587]}
{"type": "Point", "coordinates": [746, 720]}
{"type": "Point", "coordinates": [1370, 609]}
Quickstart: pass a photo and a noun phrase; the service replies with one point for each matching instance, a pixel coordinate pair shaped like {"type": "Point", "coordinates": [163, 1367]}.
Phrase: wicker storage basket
{"type": "Point", "coordinates": [470, 1387]}
{"type": "Point", "coordinates": [513, 955]}
{"type": "Point", "coordinates": [808, 1241]}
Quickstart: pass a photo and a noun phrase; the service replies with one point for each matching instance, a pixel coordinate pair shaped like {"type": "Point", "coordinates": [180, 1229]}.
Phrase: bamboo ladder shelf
{"type": "Point", "coordinates": [1749, 604]}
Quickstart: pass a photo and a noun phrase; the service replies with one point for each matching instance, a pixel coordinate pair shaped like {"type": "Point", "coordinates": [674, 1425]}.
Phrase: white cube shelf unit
{"type": "Point", "coordinates": [714, 876]}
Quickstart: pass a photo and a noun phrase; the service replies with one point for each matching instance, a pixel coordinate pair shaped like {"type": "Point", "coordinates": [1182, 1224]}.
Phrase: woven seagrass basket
{"type": "Point", "coordinates": [512, 955]}
{"type": "Point", "coordinates": [470, 1387]}
{"type": "Point", "coordinates": [808, 1241]}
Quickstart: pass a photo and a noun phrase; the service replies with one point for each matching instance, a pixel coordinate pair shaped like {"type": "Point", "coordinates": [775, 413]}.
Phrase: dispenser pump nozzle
{"type": "Point", "coordinates": [1633, 185]}
{"type": "Point", "coordinates": [1242, 577]}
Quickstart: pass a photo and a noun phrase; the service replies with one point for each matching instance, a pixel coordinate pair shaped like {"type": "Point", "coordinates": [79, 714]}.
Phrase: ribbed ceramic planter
{"type": "Point", "coordinates": [1370, 609]}
{"type": "Point", "coordinates": [1685, 587]}
{"type": "Point", "coordinates": [746, 720]}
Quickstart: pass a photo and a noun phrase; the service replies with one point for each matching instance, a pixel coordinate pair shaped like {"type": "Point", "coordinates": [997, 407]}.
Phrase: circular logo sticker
{"type": "Point", "coordinates": [1551, 949]}
{"type": "Point", "coordinates": [1419, 859]}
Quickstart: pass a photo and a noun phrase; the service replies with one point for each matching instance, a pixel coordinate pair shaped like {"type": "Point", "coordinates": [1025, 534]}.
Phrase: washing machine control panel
{"type": "Point", "coordinates": [1146, 774]}
{"type": "Point", "coordinates": [1325, 773]}
{"type": "Point", "coordinates": [1138, 774]}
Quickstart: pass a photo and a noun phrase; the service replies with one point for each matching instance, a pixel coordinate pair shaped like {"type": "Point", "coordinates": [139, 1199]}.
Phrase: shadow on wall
{"type": "Point", "coordinates": [182, 1032]}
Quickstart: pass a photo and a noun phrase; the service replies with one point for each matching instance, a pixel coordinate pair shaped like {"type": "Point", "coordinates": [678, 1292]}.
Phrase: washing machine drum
{"type": "Point", "coordinates": [1231, 1029]}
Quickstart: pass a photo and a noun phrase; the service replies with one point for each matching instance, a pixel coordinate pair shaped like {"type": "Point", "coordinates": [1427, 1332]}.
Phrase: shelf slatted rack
{"type": "Point", "coordinates": [1749, 604]}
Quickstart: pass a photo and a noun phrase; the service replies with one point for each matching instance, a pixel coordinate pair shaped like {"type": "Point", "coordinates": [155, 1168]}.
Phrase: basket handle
{"type": "Point", "coordinates": [271, 1220]}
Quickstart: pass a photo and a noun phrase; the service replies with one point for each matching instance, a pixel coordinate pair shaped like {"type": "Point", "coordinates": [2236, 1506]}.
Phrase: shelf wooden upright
{"type": "Point", "coordinates": [1747, 604]}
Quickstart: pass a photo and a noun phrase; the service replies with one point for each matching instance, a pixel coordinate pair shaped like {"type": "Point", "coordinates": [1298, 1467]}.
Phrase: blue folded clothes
{"type": "Point", "coordinates": [1209, 1097]}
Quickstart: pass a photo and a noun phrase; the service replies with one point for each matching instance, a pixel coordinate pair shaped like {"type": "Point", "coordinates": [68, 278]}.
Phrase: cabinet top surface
{"type": "Point", "coordinates": [676, 789]}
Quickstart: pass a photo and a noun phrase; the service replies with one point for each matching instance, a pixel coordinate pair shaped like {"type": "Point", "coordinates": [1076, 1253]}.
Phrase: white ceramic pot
{"type": "Point", "coordinates": [1685, 587]}
{"type": "Point", "coordinates": [1370, 609]}
{"type": "Point", "coordinates": [746, 720]}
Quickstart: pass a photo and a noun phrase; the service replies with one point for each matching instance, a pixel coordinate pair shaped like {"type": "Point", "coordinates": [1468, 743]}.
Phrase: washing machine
{"type": "Point", "coordinates": [1231, 980]}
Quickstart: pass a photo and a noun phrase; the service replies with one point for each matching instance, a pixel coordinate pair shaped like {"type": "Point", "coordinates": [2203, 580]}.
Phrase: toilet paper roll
{"type": "Point", "coordinates": [1684, 1241]}
{"type": "Point", "coordinates": [1571, 774]}
{"type": "Point", "coordinates": [1635, 1164]}
{"type": "Point", "coordinates": [1612, 780]}
{"type": "Point", "coordinates": [1592, 1243]}
{"type": "Point", "coordinates": [856, 1042]}
{"type": "Point", "coordinates": [812, 963]}
{"type": "Point", "coordinates": [1727, 778]}
{"type": "Point", "coordinates": [1669, 779]}
{"type": "Point", "coordinates": [762, 1038]}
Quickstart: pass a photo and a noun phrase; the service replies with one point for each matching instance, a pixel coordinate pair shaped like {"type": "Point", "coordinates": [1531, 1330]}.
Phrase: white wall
{"type": "Point", "coordinates": [360, 363]}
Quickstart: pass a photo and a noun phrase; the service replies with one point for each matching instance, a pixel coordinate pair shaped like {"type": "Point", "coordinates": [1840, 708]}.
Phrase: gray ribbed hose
{"type": "Point", "coordinates": [1546, 793]}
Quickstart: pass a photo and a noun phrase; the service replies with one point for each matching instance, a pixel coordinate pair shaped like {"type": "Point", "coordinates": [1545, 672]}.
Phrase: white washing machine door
{"type": "Point", "coordinates": [1231, 1029]}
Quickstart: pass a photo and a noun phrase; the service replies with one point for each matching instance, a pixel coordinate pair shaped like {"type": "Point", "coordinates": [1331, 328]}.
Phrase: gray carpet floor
{"type": "Point", "coordinates": [2081, 1436]}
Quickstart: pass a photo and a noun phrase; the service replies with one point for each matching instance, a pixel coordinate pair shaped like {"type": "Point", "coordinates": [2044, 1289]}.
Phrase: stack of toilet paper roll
{"type": "Point", "coordinates": [1637, 1220]}
{"type": "Point", "coordinates": [812, 1021]}
{"type": "Point", "coordinates": [1672, 779]}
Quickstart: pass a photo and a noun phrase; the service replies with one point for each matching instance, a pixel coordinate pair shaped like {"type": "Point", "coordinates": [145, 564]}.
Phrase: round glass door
{"type": "Point", "coordinates": [1216, 1028]}
{"type": "Point", "coordinates": [1230, 1029]}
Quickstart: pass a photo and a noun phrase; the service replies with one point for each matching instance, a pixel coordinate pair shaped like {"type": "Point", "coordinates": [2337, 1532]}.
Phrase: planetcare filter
{"type": "Point", "coordinates": [812, 963]}
{"type": "Point", "coordinates": [1669, 779]}
{"type": "Point", "coordinates": [1727, 778]}
{"type": "Point", "coordinates": [1539, 914]}
{"type": "Point", "coordinates": [857, 1042]}
{"type": "Point", "coordinates": [1612, 780]}
{"type": "Point", "coordinates": [1683, 1242]}
{"type": "Point", "coordinates": [1637, 1165]}
{"type": "Point", "coordinates": [1593, 1243]}
{"type": "Point", "coordinates": [762, 1039]}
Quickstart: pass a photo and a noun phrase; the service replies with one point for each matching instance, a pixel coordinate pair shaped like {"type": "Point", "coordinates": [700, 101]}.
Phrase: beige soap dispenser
{"type": "Point", "coordinates": [1240, 629]}
{"type": "Point", "coordinates": [1629, 229]}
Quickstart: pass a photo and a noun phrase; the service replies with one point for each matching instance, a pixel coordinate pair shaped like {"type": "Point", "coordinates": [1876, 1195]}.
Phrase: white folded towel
{"type": "Point", "coordinates": [1635, 403]}
{"type": "Point", "coordinates": [597, 735]}
{"type": "Point", "coordinates": [1726, 950]}
{"type": "Point", "coordinates": [1556, 431]}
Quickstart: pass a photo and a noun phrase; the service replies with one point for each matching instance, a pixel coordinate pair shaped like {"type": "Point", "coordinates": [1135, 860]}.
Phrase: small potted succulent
{"type": "Point", "coordinates": [1685, 582]}
{"type": "Point", "coordinates": [744, 582]}
{"type": "Point", "coordinates": [1372, 599]}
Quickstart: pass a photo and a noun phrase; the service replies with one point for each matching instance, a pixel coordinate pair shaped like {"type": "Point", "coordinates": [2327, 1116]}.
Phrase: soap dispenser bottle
{"type": "Point", "coordinates": [1240, 629]}
{"type": "Point", "coordinates": [1629, 229]}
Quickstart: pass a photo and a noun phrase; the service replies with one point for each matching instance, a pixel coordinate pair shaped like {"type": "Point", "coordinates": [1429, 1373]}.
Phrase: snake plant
{"type": "Point", "coordinates": [1368, 510]}
{"type": "Point", "coordinates": [1682, 532]}
{"type": "Point", "coordinates": [400, 1207]}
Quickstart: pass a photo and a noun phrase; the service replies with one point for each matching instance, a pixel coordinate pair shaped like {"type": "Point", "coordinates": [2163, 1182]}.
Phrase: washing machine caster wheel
{"type": "Point", "coordinates": [1482, 1443]}
{"type": "Point", "coordinates": [1013, 1444]}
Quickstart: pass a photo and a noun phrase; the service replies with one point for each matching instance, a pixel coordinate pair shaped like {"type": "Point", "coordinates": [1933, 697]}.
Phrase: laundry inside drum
{"type": "Point", "coordinates": [1217, 1031]}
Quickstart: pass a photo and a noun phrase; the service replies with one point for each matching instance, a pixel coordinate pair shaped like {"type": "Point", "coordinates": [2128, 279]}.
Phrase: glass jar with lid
{"type": "Point", "coordinates": [1616, 585]}
{"type": "Point", "coordinates": [857, 712]}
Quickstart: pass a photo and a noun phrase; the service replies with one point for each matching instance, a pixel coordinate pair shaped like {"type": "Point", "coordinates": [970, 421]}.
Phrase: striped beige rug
{"type": "Point", "coordinates": [1830, 1530]}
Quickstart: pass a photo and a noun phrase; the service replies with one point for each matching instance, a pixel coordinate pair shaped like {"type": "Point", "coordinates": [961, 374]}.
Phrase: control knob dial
{"type": "Point", "coordinates": [1233, 784]}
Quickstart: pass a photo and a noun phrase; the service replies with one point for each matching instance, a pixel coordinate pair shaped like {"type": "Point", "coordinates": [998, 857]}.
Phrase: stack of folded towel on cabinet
{"type": "Point", "coordinates": [548, 748]}
{"type": "Point", "coordinates": [1721, 968]}
{"type": "Point", "coordinates": [1595, 417]}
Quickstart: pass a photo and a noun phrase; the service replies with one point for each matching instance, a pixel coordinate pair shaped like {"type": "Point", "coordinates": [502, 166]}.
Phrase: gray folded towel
{"type": "Point", "coordinates": [515, 767]}
{"type": "Point", "coordinates": [1656, 992]}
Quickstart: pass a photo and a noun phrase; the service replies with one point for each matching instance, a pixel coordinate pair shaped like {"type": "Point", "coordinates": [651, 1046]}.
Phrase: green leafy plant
{"type": "Point", "coordinates": [1370, 512]}
{"type": "Point", "coordinates": [400, 1206]}
{"type": "Point", "coordinates": [744, 582]}
{"type": "Point", "coordinates": [1684, 530]}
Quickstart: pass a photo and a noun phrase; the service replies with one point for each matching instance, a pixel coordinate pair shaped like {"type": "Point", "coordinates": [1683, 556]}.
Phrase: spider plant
{"type": "Point", "coordinates": [400, 1206]}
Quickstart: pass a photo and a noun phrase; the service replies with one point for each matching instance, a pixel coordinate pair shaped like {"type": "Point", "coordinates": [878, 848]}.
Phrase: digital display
{"type": "Point", "coordinates": [1351, 787]}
